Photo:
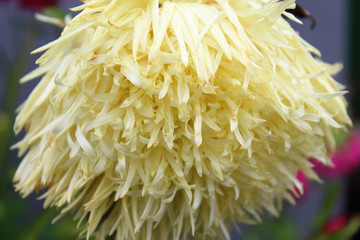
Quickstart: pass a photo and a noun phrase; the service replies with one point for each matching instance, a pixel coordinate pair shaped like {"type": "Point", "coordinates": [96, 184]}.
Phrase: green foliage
{"type": "Point", "coordinates": [274, 229]}
{"type": "Point", "coordinates": [346, 233]}
{"type": "Point", "coordinates": [55, 12]}
{"type": "Point", "coordinates": [326, 207]}
{"type": "Point", "coordinates": [284, 228]}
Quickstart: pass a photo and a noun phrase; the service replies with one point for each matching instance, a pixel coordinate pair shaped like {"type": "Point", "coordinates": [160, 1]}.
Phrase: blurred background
{"type": "Point", "coordinates": [330, 210]}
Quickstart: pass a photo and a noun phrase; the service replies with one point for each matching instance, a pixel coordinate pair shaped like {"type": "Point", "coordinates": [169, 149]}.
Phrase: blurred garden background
{"type": "Point", "coordinates": [330, 210]}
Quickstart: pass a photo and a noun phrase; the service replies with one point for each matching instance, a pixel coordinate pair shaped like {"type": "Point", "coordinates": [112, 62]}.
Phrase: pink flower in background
{"type": "Point", "coordinates": [335, 224]}
{"type": "Point", "coordinates": [305, 183]}
{"type": "Point", "coordinates": [346, 160]}
{"type": "Point", "coordinates": [35, 5]}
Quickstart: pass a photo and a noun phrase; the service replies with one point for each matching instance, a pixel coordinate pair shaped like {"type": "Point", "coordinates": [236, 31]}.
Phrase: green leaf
{"type": "Point", "coordinates": [4, 122]}
{"type": "Point", "coordinates": [275, 229]}
{"type": "Point", "coordinates": [340, 136]}
{"type": "Point", "coordinates": [326, 207]}
{"type": "Point", "coordinates": [38, 225]}
{"type": "Point", "coordinates": [346, 233]}
{"type": "Point", "coordinates": [2, 210]}
{"type": "Point", "coordinates": [65, 228]}
{"type": "Point", "coordinates": [55, 12]}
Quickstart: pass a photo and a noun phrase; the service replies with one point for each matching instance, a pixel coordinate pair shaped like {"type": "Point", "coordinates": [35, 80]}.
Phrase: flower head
{"type": "Point", "coordinates": [157, 119]}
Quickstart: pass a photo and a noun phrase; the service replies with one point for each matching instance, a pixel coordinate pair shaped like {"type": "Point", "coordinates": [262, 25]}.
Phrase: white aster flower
{"type": "Point", "coordinates": [155, 120]}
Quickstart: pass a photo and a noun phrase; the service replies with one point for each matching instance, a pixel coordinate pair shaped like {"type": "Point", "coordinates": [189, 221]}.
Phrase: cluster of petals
{"type": "Point", "coordinates": [160, 119]}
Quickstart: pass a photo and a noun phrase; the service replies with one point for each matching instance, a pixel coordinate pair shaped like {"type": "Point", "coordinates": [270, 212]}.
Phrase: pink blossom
{"type": "Point", "coordinates": [301, 177]}
{"type": "Point", "coordinates": [335, 224]}
{"type": "Point", "coordinates": [346, 160]}
{"type": "Point", "coordinates": [35, 5]}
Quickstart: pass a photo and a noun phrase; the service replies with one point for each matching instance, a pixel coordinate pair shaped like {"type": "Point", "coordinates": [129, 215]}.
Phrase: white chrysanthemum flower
{"type": "Point", "coordinates": [154, 120]}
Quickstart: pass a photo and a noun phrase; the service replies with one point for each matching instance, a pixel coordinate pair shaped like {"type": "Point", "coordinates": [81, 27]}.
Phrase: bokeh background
{"type": "Point", "coordinates": [327, 211]}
